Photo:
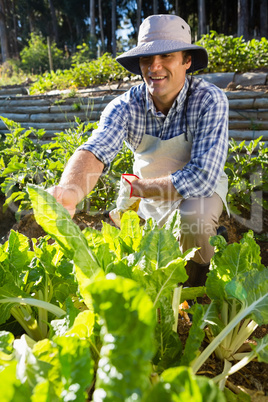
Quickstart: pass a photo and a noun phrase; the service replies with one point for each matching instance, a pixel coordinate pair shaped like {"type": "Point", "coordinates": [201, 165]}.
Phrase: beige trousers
{"type": "Point", "coordinates": [199, 221]}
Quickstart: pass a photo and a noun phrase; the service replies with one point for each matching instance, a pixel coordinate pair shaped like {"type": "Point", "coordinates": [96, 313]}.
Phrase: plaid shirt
{"type": "Point", "coordinates": [132, 114]}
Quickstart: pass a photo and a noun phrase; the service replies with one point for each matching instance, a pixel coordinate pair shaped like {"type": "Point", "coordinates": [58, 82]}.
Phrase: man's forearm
{"type": "Point", "coordinates": [157, 188]}
{"type": "Point", "coordinates": [81, 173]}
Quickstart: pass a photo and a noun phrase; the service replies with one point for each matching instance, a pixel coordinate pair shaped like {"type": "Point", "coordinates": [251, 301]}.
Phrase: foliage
{"type": "Point", "coordinates": [34, 57]}
{"type": "Point", "coordinates": [103, 70]}
{"type": "Point", "coordinates": [12, 74]}
{"type": "Point", "coordinates": [247, 170]}
{"type": "Point", "coordinates": [83, 54]}
{"type": "Point", "coordinates": [26, 158]}
{"type": "Point", "coordinates": [127, 279]}
{"type": "Point", "coordinates": [34, 284]}
{"type": "Point", "coordinates": [237, 284]}
{"type": "Point", "coordinates": [233, 54]}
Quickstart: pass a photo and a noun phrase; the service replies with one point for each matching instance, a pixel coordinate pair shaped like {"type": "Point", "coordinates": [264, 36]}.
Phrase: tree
{"type": "Point", "coordinates": [114, 28]}
{"type": "Point", "coordinates": [242, 18]}
{"type": "Point", "coordinates": [3, 33]}
{"type": "Point", "coordinates": [264, 18]}
{"type": "Point", "coordinates": [201, 18]}
{"type": "Point", "coordinates": [54, 21]}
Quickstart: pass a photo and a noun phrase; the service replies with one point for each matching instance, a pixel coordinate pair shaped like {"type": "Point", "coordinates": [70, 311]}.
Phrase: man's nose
{"type": "Point", "coordinates": [155, 63]}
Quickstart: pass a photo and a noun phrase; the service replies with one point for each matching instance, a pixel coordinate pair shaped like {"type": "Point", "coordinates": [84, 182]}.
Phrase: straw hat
{"type": "Point", "coordinates": [160, 34]}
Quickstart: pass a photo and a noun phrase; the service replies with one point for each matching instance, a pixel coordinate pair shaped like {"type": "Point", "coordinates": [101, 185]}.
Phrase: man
{"type": "Point", "coordinates": [177, 127]}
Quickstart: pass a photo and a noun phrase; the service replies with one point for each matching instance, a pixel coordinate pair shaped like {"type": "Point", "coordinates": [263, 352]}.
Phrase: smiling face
{"type": "Point", "coordinates": [164, 76]}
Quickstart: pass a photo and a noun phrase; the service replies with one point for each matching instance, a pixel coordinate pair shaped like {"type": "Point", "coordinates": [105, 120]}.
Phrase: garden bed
{"type": "Point", "coordinates": [253, 379]}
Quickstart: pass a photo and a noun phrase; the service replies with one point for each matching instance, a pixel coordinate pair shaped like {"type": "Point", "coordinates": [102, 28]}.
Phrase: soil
{"type": "Point", "coordinates": [253, 378]}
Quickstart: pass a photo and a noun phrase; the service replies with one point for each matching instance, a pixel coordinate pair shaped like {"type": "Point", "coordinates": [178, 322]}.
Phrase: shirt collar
{"type": "Point", "coordinates": [177, 104]}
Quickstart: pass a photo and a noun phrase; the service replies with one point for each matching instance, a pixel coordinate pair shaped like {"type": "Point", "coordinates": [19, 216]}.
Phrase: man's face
{"type": "Point", "coordinates": [164, 76]}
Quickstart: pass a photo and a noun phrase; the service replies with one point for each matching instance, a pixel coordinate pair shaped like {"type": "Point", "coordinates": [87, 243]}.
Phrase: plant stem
{"type": "Point", "coordinates": [175, 306]}
{"type": "Point", "coordinates": [236, 367]}
{"type": "Point", "coordinates": [28, 323]}
{"type": "Point", "coordinates": [227, 366]}
{"type": "Point", "coordinates": [57, 311]}
{"type": "Point", "coordinates": [200, 360]}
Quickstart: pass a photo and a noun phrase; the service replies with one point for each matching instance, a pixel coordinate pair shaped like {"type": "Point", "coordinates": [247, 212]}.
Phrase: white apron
{"type": "Point", "coordinates": [155, 158]}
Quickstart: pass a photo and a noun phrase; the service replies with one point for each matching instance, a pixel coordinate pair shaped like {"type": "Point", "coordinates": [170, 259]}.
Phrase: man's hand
{"type": "Point", "coordinates": [67, 197]}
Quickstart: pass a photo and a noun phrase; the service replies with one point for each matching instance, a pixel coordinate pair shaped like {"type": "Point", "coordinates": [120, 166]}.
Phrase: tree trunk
{"type": "Point", "coordinates": [242, 15]}
{"type": "Point", "coordinates": [54, 21]}
{"type": "Point", "coordinates": [15, 35]}
{"type": "Point", "coordinates": [101, 27]}
{"type": "Point", "coordinates": [92, 18]}
{"type": "Point", "coordinates": [114, 28]}
{"type": "Point", "coordinates": [155, 6]}
{"type": "Point", "coordinates": [139, 4]}
{"type": "Point", "coordinates": [264, 18]}
{"type": "Point", "coordinates": [3, 33]}
{"type": "Point", "coordinates": [201, 18]}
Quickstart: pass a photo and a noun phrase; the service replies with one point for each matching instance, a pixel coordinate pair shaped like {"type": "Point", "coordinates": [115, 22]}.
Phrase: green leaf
{"type": "Point", "coordinates": [195, 337]}
{"type": "Point", "coordinates": [261, 349]}
{"type": "Point", "coordinates": [56, 221]}
{"type": "Point", "coordinates": [178, 384]}
{"type": "Point", "coordinates": [251, 290]}
{"type": "Point", "coordinates": [168, 342]}
{"type": "Point", "coordinates": [128, 320]}
{"type": "Point", "coordinates": [131, 232]}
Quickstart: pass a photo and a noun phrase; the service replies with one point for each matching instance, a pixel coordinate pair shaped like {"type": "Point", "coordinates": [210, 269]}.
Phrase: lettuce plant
{"type": "Point", "coordinates": [238, 287]}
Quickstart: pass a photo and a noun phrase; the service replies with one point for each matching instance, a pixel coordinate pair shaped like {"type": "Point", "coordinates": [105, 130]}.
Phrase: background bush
{"type": "Point", "coordinates": [230, 54]}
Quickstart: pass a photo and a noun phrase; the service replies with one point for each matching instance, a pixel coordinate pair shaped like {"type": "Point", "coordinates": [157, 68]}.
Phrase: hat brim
{"type": "Point", "coordinates": [130, 59]}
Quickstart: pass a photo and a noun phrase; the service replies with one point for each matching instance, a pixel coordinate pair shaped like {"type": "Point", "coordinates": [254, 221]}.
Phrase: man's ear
{"type": "Point", "coordinates": [189, 62]}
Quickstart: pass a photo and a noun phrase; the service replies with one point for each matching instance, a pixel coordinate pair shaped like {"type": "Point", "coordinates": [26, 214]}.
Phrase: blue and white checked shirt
{"type": "Point", "coordinates": [132, 114]}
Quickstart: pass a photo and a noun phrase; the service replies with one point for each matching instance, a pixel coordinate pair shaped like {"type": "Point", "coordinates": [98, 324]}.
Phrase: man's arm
{"type": "Point", "coordinates": [78, 179]}
{"type": "Point", "coordinates": [156, 188]}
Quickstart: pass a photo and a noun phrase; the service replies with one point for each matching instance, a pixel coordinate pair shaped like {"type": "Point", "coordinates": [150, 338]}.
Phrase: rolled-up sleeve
{"type": "Point", "coordinates": [200, 175]}
{"type": "Point", "coordinates": [107, 140]}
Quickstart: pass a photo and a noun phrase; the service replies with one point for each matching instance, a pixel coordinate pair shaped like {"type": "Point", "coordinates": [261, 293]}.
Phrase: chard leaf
{"type": "Point", "coordinates": [56, 221]}
{"type": "Point", "coordinates": [234, 259]}
{"type": "Point", "coordinates": [168, 342]}
{"type": "Point", "coordinates": [15, 257]}
{"type": "Point", "coordinates": [13, 390]}
{"type": "Point", "coordinates": [62, 368]}
{"type": "Point", "coordinates": [9, 291]}
{"type": "Point", "coordinates": [83, 325]}
{"type": "Point", "coordinates": [128, 320]}
{"type": "Point", "coordinates": [195, 337]}
{"type": "Point", "coordinates": [160, 247]}
{"type": "Point", "coordinates": [131, 232]}
{"type": "Point", "coordinates": [6, 341]}
{"type": "Point", "coordinates": [261, 349]}
{"type": "Point", "coordinates": [111, 236]}
{"type": "Point", "coordinates": [162, 281]}
{"type": "Point", "coordinates": [178, 384]}
{"type": "Point", "coordinates": [173, 223]}
{"type": "Point", "coordinates": [251, 290]}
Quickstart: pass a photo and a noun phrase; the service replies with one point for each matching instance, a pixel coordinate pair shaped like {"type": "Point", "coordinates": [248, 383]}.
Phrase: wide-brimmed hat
{"type": "Point", "coordinates": [160, 34]}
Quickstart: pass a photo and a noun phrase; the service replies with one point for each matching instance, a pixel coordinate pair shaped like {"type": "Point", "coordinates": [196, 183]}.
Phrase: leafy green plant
{"type": "Point", "coordinates": [34, 57]}
{"type": "Point", "coordinates": [103, 70]}
{"type": "Point", "coordinates": [33, 283]}
{"type": "Point", "coordinates": [26, 158]}
{"type": "Point", "coordinates": [231, 54]}
{"type": "Point", "coordinates": [247, 171]}
{"type": "Point", "coordinates": [237, 285]}
{"type": "Point", "coordinates": [136, 269]}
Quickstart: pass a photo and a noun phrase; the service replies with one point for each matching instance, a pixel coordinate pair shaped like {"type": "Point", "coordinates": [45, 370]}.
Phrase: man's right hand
{"type": "Point", "coordinates": [67, 197]}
